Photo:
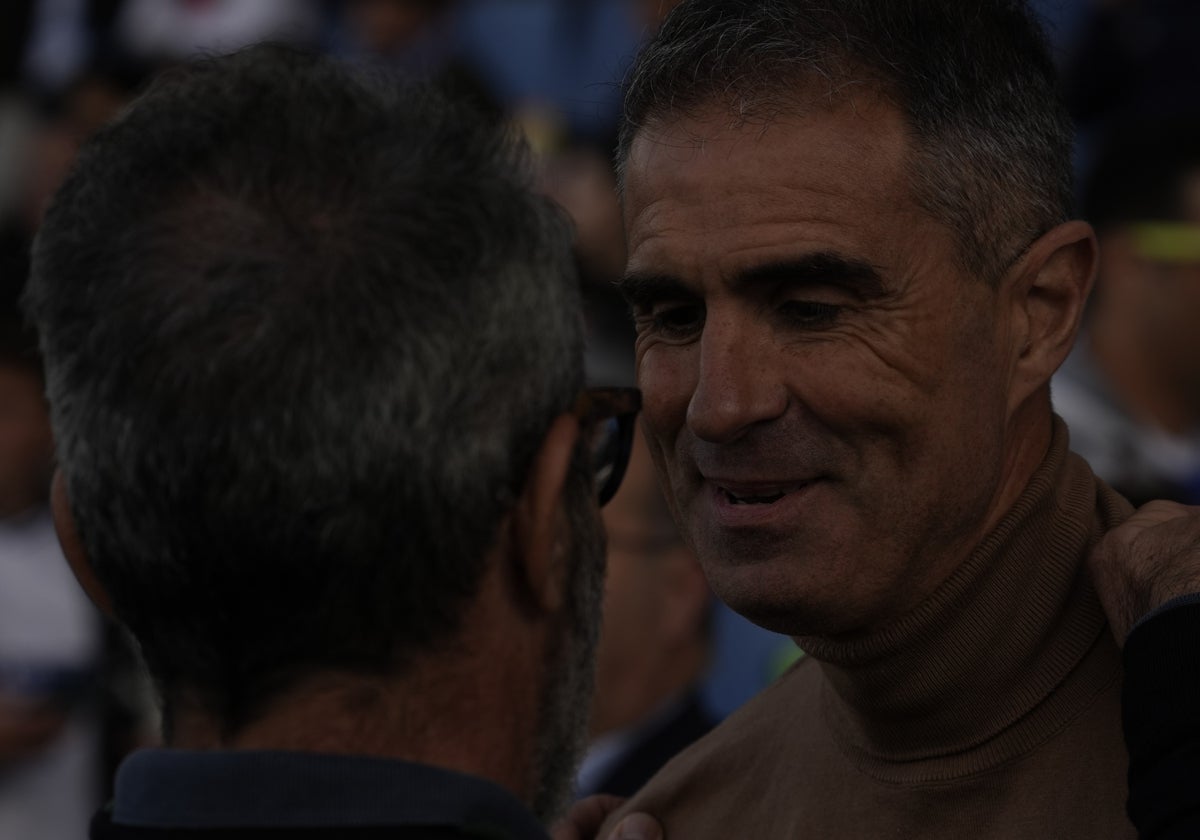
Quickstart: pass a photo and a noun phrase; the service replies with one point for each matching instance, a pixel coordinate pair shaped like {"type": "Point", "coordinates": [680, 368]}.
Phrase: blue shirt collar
{"type": "Point", "coordinates": [250, 789]}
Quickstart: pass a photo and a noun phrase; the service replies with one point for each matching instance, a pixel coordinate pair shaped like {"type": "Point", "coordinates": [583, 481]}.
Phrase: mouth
{"type": "Point", "coordinates": [760, 494]}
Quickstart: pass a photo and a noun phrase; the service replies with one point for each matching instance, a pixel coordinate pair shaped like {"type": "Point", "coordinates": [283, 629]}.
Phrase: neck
{"type": "Point", "coordinates": [471, 705]}
{"type": "Point", "coordinates": [421, 718]}
{"type": "Point", "coordinates": [1003, 632]}
{"type": "Point", "coordinates": [1030, 436]}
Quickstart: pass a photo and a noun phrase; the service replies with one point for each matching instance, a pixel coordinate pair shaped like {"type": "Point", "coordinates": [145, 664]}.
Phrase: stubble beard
{"type": "Point", "coordinates": [567, 691]}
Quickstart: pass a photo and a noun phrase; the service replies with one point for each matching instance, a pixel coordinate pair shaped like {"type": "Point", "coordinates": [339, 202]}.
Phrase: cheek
{"type": "Point", "coordinates": [852, 390]}
{"type": "Point", "coordinates": [667, 377]}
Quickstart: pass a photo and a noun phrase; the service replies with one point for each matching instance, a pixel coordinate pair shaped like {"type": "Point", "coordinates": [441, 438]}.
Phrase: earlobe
{"type": "Point", "coordinates": [1051, 287]}
{"type": "Point", "coordinates": [540, 544]}
{"type": "Point", "coordinates": [72, 546]}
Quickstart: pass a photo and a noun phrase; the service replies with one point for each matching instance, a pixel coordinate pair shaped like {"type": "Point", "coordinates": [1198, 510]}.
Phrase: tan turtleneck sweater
{"type": "Point", "coordinates": [991, 711]}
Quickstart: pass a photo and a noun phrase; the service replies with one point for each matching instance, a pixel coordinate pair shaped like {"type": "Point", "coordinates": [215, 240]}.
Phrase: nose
{"type": "Point", "coordinates": [738, 384]}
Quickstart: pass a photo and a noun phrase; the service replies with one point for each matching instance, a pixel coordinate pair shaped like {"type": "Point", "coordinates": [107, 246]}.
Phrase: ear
{"type": "Point", "coordinates": [1049, 288]}
{"type": "Point", "coordinates": [72, 546]}
{"type": "Point", "coordinates": [539, 545]}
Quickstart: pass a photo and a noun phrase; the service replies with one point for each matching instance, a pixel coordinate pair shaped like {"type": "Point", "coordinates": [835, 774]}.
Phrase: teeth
{"type": "Point", "coordinates": [754, 500]}
{"type": "Point", "coordinates": [767, 498]}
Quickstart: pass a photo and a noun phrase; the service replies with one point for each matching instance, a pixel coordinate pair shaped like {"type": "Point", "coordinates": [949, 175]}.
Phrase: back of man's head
{"type": "Point", "coordinates": [304, 333]}
{"type": "Point", "coordinates": [991, 142]}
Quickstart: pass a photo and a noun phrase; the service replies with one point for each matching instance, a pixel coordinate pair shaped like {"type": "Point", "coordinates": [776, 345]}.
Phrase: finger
{"type": "Point", "coordinates": [1148, 560]}
{"type": "Point", "coordinates": [637, 827]}
{"type": "Point", "coordinates": [1156, 513]}
{"type": "Point", "coordinates": [585, 818]}
{"type": "Point", "coordinates": [1114, 547]}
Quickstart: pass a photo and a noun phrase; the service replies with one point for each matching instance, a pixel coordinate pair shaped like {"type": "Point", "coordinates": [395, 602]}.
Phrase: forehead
{"type": "Point", "coordinates": [704, 189]}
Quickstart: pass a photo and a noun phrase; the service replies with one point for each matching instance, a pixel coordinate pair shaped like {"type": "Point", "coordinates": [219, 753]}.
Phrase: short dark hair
{"type": "Point", "coordinates": [975, 81]}
{"type": "Point", "coordinates": [1140, 172]}
{"type": "Point", "coordinates": [304, 332]}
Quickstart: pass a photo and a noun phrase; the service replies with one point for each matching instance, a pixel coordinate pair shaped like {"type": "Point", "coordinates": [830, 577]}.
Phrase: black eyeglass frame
{"type": "Point", "coordinates": [612, 413]}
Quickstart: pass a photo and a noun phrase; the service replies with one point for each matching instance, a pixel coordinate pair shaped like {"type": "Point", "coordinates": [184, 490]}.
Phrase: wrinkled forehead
{"type": "Point", "coordinates": [835, 170]}
{"type": "Point", "coordinates": [800, 137]}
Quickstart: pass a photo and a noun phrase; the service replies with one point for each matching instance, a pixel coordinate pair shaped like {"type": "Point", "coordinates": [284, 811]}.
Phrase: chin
{"type": "Point", "coordinates": [770, 597]}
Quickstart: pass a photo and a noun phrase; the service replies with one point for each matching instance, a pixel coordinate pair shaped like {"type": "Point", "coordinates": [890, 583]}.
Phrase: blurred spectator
{"type": "Point", "coordinates": [417, 37]}
{"type": "Point", "coordinates": [1135, 59]}
{"type": "Point", "coordinates": [556, 63]}
{"type": "Point", "coordinates": [1130, 391]}
{"type": "Point", "coordinates": [50, 645]}
{"type": "Point", "coordinates": [1064, 21]}
{"type": "Point", "coordinates": [16, 17]}
{"type": "Point", "coordinates": [38, 146]}
{"type": "Point", "coordinates": [164, 31]}
{"type": "Point", "coordinates": [581, 180]}
{"type": "Point", "coordinates": [654, 12]}
{"type": "Point", "coordinates": [18, 131]}
{"type": "Point", "coordinates": [655, 642]}
{"type": "Point", "coordinates": [58, 40]}
{"type": "Point", "coordinates": [554, 67]}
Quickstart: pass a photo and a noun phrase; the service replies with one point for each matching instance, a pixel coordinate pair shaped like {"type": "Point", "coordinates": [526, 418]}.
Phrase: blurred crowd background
{"type": "Point", "coordinates": [72, 701]}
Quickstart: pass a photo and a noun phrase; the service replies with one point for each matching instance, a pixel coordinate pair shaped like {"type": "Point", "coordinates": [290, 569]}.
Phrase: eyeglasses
{"type": "Point", "coordinates": [606, 417]}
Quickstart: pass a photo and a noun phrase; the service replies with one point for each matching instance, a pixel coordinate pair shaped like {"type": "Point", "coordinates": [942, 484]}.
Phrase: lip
{"type": "Point", "coordinates": [727, 514]}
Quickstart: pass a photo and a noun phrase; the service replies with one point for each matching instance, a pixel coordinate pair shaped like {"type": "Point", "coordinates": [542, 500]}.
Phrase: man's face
{"type": "Point", "coordinates": [825, 390]}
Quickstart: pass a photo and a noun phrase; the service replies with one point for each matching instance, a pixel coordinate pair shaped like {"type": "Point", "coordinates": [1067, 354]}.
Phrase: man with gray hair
{"type": "Point", "coordinates": [854, 269]}
{"type": "Point", "coordinates": [314, 357]}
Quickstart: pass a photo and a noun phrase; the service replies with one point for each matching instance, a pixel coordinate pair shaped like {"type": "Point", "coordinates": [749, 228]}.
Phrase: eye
{"type": "Point", "coordinates": [809, 314]}
{"type": "Point", "coordinates": [676, 320]}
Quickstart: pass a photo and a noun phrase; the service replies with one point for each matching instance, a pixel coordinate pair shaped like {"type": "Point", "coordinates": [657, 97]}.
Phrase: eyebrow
{"type": "Point", "coordinates": [824, 268]}
{"type": "Point", "coordinates": [641, 290]}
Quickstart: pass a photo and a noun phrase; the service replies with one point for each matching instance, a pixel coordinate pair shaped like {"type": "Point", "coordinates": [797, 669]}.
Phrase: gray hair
{"type": "Point", "coordinates": [303, 331]}
{"type": "Point", "coordinates": [975, 81]}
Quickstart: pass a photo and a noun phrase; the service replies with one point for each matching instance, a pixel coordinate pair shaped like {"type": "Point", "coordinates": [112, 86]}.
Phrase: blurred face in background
{"type": "Point", "coordinates": [26, 446]}
{"type": "Point", "coordinates": [1175, 323]}
{"type": "Point", "coordinates": [654, 12]}
{"type": "Point", "coordinates": [386, 25]}
{"type": "Point", "coordinates": [654, 642]}
{"type": "Point", "coordinates": [1150, 296]}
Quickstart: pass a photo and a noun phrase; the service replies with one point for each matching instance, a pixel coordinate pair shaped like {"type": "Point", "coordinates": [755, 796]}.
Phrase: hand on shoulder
{"type": "Point", "coordinates": [1150, 559]}
{"type": "Point", "coordinates": [586, 817]}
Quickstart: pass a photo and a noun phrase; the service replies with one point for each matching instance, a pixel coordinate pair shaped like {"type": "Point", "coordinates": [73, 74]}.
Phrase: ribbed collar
{"type": "Point", "coordinates": [978, 673]}
{"type": "Point", "coordinates": [182, 789]}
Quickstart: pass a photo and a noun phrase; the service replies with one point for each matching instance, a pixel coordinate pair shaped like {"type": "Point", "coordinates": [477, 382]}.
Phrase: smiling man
{"type": "Point", "coordinates": [854, 270]}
